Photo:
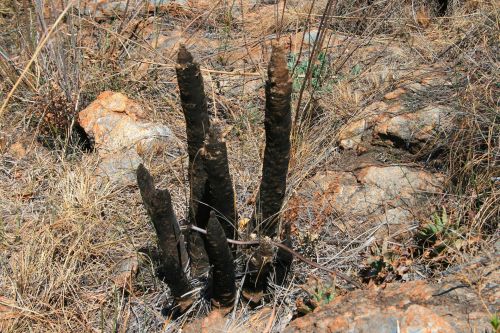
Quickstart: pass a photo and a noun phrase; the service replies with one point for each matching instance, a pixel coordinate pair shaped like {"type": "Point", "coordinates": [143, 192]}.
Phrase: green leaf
{"type": "Point", "coordinates": [495, 321]}
{"type": "Point", "coordinates": [356, 69]}
{"type": "Point", "coordinates": [444, 217]}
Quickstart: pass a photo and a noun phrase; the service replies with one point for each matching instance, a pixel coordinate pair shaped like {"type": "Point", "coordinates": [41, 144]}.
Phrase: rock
{"type": "Point", "coordinates": [311, 36]}
{"type": "Point", "coordinates": [358, 132]}
{"type": "Point", "coordinates": [398, 183]}
{"type": "Point", "coordinates": [393, 222]}
{"type": "Point", "coordinates": [405, 118]}
{"type": "Point", "coordinates": [105, 9]}
{"type": "Point", "coordinates": [214, 322]}
{"type": "Point", "coordinates": [125, 271]}
{"type": "Point", "coordinates": [17, 150]}
{"type": "Point", "coordinates": [351, 136]}
{"type": "Point", "coordinates": [120, 134]}
{"type": "Point", "coordinates": [422, 17]}
{"type": "Point", "coordinates": [219, 321]}
{"type": "Point", "coordinates": [414, 130]}
{"type": "Point", "coordinates": [163, 44]}
{"type": "Point", "coordinates": [376, 195]}
{"type": "Point", "coordinates": [417, 306]}
{"type": "Point", "coordinates": [395, 94]}
{"type": "Point", "coordinates": [393, 125]}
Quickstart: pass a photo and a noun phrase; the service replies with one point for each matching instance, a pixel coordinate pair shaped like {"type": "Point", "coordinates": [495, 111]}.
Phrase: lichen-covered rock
{"type": "Point", "coordinates": [356, 134]}
{"type": "Point", "coordinates": [417, 306]}
{"type": "Point", "coordinates": [102, 9]}
{"type": "Point", "coordinates": [351, 136]}
{"type": "Point", "coordinates": [373, 194]}
{"type": "Point", "coordinates": [395, 126]}
{"type": "Point", "coordinates": [121, 135]}
{"type": "Point", "coordinates": [405, 118]}
{"type": "Point", "coordinates": [415, 129]}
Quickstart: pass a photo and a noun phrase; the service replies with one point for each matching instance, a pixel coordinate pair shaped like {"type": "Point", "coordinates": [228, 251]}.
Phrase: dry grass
{"type": "Point", "coordinates": [64, 232]}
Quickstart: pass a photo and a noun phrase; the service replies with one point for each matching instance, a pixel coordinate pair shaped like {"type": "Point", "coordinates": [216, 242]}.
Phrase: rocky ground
{"type": "Point", "coordinates": [393, 179]}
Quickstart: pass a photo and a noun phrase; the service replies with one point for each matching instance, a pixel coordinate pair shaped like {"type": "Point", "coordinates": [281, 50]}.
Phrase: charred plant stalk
{"type": "Point", "coordinates": [284, 258]}
{"type": "Point", "coordinates": [221, 186]}
{"type": "Point", "coordinates": [262, 265]}
{"type": "Point", "coordinates": [277, 123]}
{"type": "Point", "coordinates": [282, 263]}
{"type": "Point", "coordinates": [194, 106]}
{"type": "Point", "coordinates": [159, 207]}
{"type": "Point", "coordinates": [219, 254]}
{"type": "Point", "coordinates": [259, 269]}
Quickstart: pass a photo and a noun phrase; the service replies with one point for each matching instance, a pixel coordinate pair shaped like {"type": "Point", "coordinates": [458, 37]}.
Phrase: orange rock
{"type": "Point", "coordinates": [17, 150]}
{"type": "Point", "coordinates": [351, 135]}
{"type": "Point", "coordinates": [394, 108]}
{"type": "Point", "coordinates": [414, 129]}
{"type": "Point", "coordinates": [399, 308]}
{"type": "Point", "coordinates": [422, 319]}
{"type": "Point", "coordinates": [374, 194]}
{"type": "Point", "coordinates": [214, 322]}
{"type": "Point", "coordinates": [339, 323]}
{"type": "Point", "coordinates": [395, 94]}
{"type": "Point", "coordinates": [423, 18]}
{"type": "Point", "coordinates": [121, 136]}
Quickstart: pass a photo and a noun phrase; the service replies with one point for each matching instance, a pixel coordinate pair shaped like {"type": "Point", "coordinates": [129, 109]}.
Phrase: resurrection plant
{"type": "Point", "coordinates": [209, 242]}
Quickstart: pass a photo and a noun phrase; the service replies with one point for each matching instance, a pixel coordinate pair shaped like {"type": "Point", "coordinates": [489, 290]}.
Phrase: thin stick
{"type": "Point", "coordinates": [269, 324]}
{"type": "Point", "coordinates": [289, 250]}
{"type": "Point", "coordinates": [33, 58]}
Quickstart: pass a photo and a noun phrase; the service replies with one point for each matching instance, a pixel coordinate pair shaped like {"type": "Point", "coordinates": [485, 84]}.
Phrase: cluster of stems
{"type": "Point", "coordinates": [212, 200]}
